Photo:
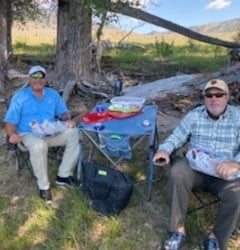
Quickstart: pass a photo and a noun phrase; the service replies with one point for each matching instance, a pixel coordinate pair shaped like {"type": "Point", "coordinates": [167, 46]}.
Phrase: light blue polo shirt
{"type": "Point", "coordinates": [25, 107]}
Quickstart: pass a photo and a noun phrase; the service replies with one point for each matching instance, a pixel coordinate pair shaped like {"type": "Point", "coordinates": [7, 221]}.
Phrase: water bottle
{"type": "Point", "coordinates": [118, 87]}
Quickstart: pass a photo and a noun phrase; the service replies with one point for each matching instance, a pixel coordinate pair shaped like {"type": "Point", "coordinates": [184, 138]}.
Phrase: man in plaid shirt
{"type": "Point", "coordinates": [213, 128]}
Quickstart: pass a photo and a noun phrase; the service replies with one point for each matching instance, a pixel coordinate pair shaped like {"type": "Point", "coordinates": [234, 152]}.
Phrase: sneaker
{"type": "Point", "coordinates": [65, 181]}
{"type": "Point", "coordinates": [211, 244]}
{"type": "Point", "coordinates": [46, 195]}
{"type": "Point", "coordinates": [175, 242]}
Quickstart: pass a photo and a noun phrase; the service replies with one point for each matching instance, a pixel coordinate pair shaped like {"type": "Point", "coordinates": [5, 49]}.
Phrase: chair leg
{"type": "Point", "coordinates": [203, 205]}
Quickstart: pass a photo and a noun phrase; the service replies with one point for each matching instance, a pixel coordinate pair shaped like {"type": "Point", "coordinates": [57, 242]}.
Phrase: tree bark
{"type": "Point", "coordinates": [144, 16]}
{"type": "Point", "coordinates": [9, 27]}
{"type": "Point", "coordinates": [73, 43]}
{"type": "Point", "coordinates": [3, 44]}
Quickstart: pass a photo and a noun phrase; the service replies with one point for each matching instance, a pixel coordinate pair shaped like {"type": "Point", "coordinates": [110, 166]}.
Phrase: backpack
{"type": "Point", "coordinates": [108, 189]}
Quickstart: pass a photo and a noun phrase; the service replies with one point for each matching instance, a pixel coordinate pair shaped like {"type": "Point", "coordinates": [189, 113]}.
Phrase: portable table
{"type": "Point", "coordinates": [140, 126]}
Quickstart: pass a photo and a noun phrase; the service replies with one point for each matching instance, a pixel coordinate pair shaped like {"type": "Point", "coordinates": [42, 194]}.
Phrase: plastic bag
{"type": "Point", "coordinates": [116, 145]}
{"type": "Point", "coordinates": [47, 128]}
{"type": "Point", "coordinates": [202, 161]}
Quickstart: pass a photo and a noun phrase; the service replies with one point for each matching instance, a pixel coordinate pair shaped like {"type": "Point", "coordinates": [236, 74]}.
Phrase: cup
{"type": "Point", "coordinates": [99, 127]}
{"type": "Point", "coordinates": [100, 108]}
{"type": "Point", "coordinates": [146, 123]}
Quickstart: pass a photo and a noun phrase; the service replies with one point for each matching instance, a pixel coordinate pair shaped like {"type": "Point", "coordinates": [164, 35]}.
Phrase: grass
{"type": "Point", "coordinates": [71, 224]}
{"type": "Point", "coordinates": [28, 223]}
{"type": "Point", "coordinates": [156, 53]}
{"type": "Point", "coordinates": [150, 59]}
{"type": "Point", "coordinates": [21, 48]}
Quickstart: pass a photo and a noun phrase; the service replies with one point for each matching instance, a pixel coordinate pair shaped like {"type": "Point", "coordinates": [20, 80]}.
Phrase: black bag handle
{"type": "Point", "coordinates": [104, 191]}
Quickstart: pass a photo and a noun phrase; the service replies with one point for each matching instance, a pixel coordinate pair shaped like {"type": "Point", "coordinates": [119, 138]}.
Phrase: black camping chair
{"type": "Point", "coordinates": [20, 154]}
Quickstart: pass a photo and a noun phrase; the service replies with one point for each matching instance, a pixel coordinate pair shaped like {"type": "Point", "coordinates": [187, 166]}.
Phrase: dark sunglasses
{"type": "Point", "coordinates": [38, 75]}
{"type": "Point", "coordinates": [218, 95]}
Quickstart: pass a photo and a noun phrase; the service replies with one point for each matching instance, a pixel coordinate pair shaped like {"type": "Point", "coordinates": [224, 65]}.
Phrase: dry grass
{"type": "Point", "coordinates": [33, 34]}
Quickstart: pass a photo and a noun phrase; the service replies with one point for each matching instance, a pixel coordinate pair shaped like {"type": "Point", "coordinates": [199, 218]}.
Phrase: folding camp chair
{"type": "Point", "coordinates": [204, 200]}
{"type": "Point", "coordinates": [204, 203]}
{"type": "Point", "coordinates": [200, 196]}
{"type": "Point", "coordinates": [19, 153]}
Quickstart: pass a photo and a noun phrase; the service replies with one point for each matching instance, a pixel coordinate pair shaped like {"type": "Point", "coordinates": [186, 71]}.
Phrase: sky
{"type": "Point", "coordinates": [186, 13]}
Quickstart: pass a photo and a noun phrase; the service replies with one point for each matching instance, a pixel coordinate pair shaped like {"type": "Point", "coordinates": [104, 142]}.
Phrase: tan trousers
{"type": "Point", "coordinates": [38, 149]}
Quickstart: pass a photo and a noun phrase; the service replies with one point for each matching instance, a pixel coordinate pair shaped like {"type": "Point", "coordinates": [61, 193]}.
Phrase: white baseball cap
{"type": "Point", "coordinates": [216, 83]}
{"type": "Point", "coordinates": [35, 69]}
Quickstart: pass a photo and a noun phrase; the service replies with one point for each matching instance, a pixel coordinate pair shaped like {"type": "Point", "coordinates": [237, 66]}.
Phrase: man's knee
{"type": "Point", "coordinates": [180, 169]}
{"type": "Point", "coordinates": [40, 146]}
{"type": "Point", "coordinates": [73, 134]}
{"type": "Point", "coordinates": [235, 197]}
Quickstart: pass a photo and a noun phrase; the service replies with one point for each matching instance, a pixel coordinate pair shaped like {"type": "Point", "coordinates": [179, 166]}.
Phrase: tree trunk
{"type": "Point", "coordinates": [74, 38]}
{"type": "Point", "coordinates": [73, 43]}
{"type": "Point", "coordinates": [3, 44]}
{"type": "Point", "coordinates": [144, 16]}
{"type": "Point", "coordinates": [183, 84]}
{"type": "Point", "coordinates": [9, 27]}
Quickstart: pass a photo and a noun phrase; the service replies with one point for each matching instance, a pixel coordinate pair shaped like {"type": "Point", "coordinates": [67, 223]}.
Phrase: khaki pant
{"type": "Point", "coordinates": [38, 149]}
{"type": "Point", "coordinates": [182, 180]}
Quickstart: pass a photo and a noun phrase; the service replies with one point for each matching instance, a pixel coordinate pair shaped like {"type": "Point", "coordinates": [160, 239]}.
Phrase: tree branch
{"type": "Point", "coordinates": [126, 10]}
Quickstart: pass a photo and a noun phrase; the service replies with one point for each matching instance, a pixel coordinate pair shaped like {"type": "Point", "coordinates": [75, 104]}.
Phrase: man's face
{"type": "Point", "coordinates": [216, 101]}
{"type": "Point", "coordinates": [37, 81]}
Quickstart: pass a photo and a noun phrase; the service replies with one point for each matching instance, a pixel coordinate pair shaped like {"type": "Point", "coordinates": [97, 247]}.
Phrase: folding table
{"type": "Point", "coordinates": [140, 126]}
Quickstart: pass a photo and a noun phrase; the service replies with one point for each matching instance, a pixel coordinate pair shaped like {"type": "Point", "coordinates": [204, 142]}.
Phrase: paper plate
{"type": "Point", "coordinates": [97, 117]}
{"type": "Point", "coordinates": [123, 109]}
{"type": "Point", "coordinates": [107, 115]}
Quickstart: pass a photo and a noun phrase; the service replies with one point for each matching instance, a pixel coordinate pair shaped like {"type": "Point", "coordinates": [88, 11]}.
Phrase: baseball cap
{"type": "Point", "coordinates": [216, 83]}
{"type": "Point", "coordinates": [35, 69]}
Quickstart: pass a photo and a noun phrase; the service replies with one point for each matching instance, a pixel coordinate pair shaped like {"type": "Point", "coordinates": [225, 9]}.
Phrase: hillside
{"type": "Point", "coordinates": [222, 27]}
{"type": "Point", "coordinates": [41, 32]}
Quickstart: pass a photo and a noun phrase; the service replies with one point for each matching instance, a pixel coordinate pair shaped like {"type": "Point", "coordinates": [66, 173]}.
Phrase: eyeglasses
{"type": "Point", "coordinates": [217, 95]}
{"type": "Point", "coordinates": [38, 75]}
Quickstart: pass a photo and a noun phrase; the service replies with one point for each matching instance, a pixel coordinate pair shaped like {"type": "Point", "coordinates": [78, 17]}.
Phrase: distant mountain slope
{"type": "Point", "coordinates": [230, 26]}
{"type": "Point", "coordinates": [221, 27]}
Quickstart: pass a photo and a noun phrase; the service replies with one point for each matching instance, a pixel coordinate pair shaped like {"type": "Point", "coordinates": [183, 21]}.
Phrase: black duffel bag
{"type": "Point", "coordinates": [108, 189]}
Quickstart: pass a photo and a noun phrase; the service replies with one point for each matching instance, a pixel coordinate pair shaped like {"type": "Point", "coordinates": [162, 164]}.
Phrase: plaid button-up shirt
{"type": "Point", "coordinates": [220, 138]}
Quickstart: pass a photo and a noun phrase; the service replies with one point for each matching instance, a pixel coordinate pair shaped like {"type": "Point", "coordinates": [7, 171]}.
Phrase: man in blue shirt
{"type": "Point", "coordinates": [212, 129]}
{"type": "Point", "coordinates": [36, 104]}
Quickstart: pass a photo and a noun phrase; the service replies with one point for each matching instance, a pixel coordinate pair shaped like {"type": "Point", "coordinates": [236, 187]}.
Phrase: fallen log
{"type": "Point", "coordinates": [181, 84]}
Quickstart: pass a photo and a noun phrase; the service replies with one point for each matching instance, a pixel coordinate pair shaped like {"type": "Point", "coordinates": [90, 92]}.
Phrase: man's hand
{"type": "Point", "coordinates": [163, 156]}
{"type": "Point", "coordinates": [71, 124]}
{"type": "Point", "coordinates": [15, 138]}
{"type": "Point", "coordinates": [227, 168]}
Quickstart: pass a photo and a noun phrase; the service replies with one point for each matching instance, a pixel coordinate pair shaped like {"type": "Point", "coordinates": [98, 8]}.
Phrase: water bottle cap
{"type": "Point", "coordinates": [99, 127]}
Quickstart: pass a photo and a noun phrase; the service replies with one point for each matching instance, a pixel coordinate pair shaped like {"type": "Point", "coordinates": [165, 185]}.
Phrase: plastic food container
{"type": "Point", "coordinates": [126, 103]}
